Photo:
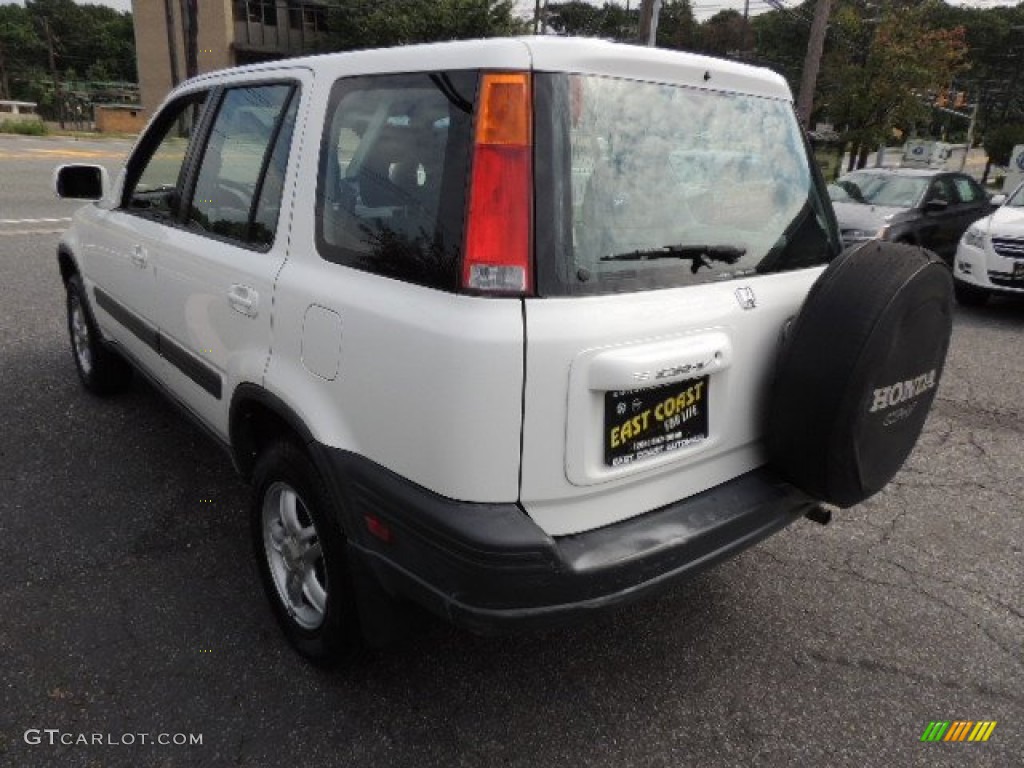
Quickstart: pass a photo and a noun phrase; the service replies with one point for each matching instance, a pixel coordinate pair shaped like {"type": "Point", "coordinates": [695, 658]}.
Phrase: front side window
{"type": "Point", "coordinates": [941, 190]}
{"type": "Point", "coordinates": [238, 188]}
{"type": "Point", "coordinates": [393, 168]}
{"type": "Point", "coordinates": [155, 175]}
{"type": "Point", "coordinates": [662, 185]}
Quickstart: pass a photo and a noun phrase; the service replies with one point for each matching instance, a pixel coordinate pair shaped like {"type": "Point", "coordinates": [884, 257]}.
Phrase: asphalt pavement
{"type": "Point", "coordinates": [130, 611]}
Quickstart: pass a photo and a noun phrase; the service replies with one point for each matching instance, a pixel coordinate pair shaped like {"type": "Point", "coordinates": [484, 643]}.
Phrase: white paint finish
{"type": "Point", "coordinates": [215, 298]}
{"type": "Point", "coordinates": [107, 256]}
{"type": "Point", "coordinates": [600, 57]}
{"type": "Point", "coordinates": [430, 384]}
{"type": "Point", "coordinates": [321, 342]}
{"type": "Point", "coordinates": [566, 487]}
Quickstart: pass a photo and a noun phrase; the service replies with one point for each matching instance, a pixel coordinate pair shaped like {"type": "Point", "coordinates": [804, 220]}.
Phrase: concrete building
{"type": "Point", "coordinates": [230, 32]}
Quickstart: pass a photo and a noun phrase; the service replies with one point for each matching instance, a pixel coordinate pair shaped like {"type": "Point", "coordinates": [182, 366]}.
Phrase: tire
{"type": "Point", "coordinates": [301, 553]}
{"type": "Point", "coordinates": [859, 370]}
{"type": "Point", "coordinates": [968, 295]}
{"type": "Point", "coordinates": [101, 370]}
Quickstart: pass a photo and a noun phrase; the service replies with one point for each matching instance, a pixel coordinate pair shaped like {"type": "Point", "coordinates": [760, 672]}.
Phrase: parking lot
{"type": "Point", "coordinates": [131, 607]}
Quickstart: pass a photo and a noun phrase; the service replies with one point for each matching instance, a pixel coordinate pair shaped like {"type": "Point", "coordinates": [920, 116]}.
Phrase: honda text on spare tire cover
{"type": "Point", "coordinates": [514, 329]}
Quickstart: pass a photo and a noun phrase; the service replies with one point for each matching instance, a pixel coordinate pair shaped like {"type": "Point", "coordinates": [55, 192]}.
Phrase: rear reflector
{"type": "Point", "coordinates": [499, 218]}
{"type": "Point", "coordinates": [378, 528]}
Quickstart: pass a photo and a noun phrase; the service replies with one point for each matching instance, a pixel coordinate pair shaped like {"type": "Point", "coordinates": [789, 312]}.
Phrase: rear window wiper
{"type": "Point", "coordinates": [699, 255]}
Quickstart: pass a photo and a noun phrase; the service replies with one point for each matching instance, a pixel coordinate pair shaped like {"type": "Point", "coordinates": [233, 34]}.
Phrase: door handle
{"type": "Point", "coordinates": [244, 299]}
{"type": "Point", "coordinates": [139, 257]}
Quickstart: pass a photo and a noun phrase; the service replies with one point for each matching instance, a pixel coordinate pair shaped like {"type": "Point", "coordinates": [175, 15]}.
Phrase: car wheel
{"type": "Point", "coordinates": [969, 295]}
{"type": "Point", "coordinates": [858, 371]}
{"type": "Point", "coordinates": [301, 552]}
{"type": "Point", "coordinates": [101, 370]}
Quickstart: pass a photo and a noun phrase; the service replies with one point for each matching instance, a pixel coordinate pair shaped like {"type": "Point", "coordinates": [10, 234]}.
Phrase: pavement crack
{"type": "Point", "coordinates": [874, 666]}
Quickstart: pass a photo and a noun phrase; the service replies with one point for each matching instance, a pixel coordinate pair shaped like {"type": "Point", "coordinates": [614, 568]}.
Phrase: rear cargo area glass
{"type": "Point", "coordinates": [645, 185]}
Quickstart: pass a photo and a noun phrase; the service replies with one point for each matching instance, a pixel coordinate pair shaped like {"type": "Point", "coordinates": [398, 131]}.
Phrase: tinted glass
{"type": "Point", "coordinates": [231, 171]}
{"type": "Point", "coordinates": [155, 174]}
{"type": "Point", "coordinates": [968, 190]}
{"type": "Point", "coordinates": [657, 186]}
{"type": "Point", "coordinates": [393, 165]}
{"type": "Point", "coordinates": [941, 189]}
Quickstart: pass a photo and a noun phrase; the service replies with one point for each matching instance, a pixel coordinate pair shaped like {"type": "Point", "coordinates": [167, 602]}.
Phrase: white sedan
{"type": "Point", "coordinates": [990, 256]}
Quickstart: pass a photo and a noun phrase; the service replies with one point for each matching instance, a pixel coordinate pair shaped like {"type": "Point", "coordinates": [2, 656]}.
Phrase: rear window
{"type": "Point", "coordinates": [644, 186]}
{"type": "Point", "coordinates": [393, 169]}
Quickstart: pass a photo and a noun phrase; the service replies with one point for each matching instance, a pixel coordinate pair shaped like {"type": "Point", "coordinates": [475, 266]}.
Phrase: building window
{"type": "Point", "coordinates": [257, 12]}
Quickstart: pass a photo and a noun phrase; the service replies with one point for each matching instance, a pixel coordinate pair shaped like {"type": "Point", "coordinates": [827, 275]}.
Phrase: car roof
{"type": "Point", "coordinates": [543, 54]}
{"type": "Point", "coordinates": [926, 173]}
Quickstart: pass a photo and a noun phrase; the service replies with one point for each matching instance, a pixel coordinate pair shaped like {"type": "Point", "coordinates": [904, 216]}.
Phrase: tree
{"type": "Point", "coordinates": [677, 27]}
{"type": "Point", "coordinates": [780, 41]}
{"type": "Point", "coordinates": [372, 24]}
{"type": "Point", "coordinates": [579, 19]}
{"type": "Point", "coordinates": [999, 143]}
{"type": "Point", "coordinates": [882, 74]}
{"type": "Point", "coordinates": [20, 48]}
{"type": "Point", "coordinates": [725, 33]}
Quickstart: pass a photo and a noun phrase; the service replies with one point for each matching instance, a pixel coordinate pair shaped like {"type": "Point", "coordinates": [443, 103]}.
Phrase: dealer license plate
{"type": "Point", "coordinates": [642, 423]}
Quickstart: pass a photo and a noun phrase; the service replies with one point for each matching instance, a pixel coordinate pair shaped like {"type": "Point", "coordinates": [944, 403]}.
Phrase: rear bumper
{"type": "Point", "coordinates": [489, 567]}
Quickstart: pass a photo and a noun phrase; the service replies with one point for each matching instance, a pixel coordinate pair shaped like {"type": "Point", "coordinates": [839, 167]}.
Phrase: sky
{"type": "Point", "coordinates": [702, 8]}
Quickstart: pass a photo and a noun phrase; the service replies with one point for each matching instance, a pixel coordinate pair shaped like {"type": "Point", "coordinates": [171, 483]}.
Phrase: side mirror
{"type": "Point", "coordinates": [997, 200]}
{"type": "Point", "coordinates": [80, 182]}
{"type": "Point", "coordinates": [934, 206]}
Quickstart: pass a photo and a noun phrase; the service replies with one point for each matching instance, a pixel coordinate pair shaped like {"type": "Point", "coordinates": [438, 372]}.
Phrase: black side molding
{"type": "Point", "coordinates": [139, 327]}
{"type": "Point", "coordinates": [202, 374]}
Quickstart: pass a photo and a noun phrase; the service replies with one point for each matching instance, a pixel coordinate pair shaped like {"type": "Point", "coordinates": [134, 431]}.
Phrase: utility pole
{"type": "Point", "coordinates": [812, 61]}
{"type": "Point", "coordinates": [172, 46]}
{"type": "Point", "coordinates": [970, 131]}
{"type": "Point", "coordinates": [649, 12]}
{"type": "Point", "coordinates": [190, 35]}
{"type": "Point", "coordinates": [53, 73]}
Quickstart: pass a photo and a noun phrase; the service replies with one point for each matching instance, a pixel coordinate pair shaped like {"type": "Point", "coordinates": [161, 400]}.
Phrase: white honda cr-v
{"type": "Point", "coordinates": [516, 329]}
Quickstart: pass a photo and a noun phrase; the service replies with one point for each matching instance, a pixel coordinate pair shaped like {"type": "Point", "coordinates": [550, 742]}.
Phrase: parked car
{"type": "Point", "coordinates": [990, 257]}
{"type": "Point", "coordinates": [924, 207]}
{"type": "Point", "coordinates": [462, 320]}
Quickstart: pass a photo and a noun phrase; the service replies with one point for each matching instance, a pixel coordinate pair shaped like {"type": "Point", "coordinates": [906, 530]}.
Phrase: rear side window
{"type": "Point", "coordinates": [393, 171]}
{"type": "Point", "coordinates": [645, 185]}
{"type": "Point", "coordinates": [237, 194]}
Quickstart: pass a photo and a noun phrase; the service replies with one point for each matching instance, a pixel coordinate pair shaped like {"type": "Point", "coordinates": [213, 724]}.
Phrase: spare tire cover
{"type": "Point", "coordinates": [858, 371]}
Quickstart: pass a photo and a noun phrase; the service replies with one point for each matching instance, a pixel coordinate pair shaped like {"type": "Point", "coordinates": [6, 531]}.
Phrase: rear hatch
{"type": "Point", "coordinates": [679, 225]}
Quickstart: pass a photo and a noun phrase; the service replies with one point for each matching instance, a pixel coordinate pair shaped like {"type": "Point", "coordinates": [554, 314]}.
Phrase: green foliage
{"type": "Point", "coordinates": [724, 33]}
{"type": "Point", "coordinates": [373, 24]}
{"type": "Point", "coordinates": [579, 19]}
{"type": "Point", "coordinates": [677, 26]}
{"type": "Point", "coordinates": [92, 41]}
{"type": "Point", "coordinates": [780, 41]}
{"type": "Point", "coordinates": [24, 127]}
{"type": "Point", "coordinates": [878, 76]}
{"type": "Point", "coordinates": [1000, 141]}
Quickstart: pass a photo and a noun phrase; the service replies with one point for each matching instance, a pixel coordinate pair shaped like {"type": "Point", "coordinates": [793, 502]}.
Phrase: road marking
{"type": "Point", "coordinates": [49, 154]}
{"type": "Point", "coordinates": [16, 232]}
{"type": "Point", "coordinates": [34, 221]}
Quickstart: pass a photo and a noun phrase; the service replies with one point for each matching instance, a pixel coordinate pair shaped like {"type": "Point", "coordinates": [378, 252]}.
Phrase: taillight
{"type": "Point", "coordinates": [499, 218]}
